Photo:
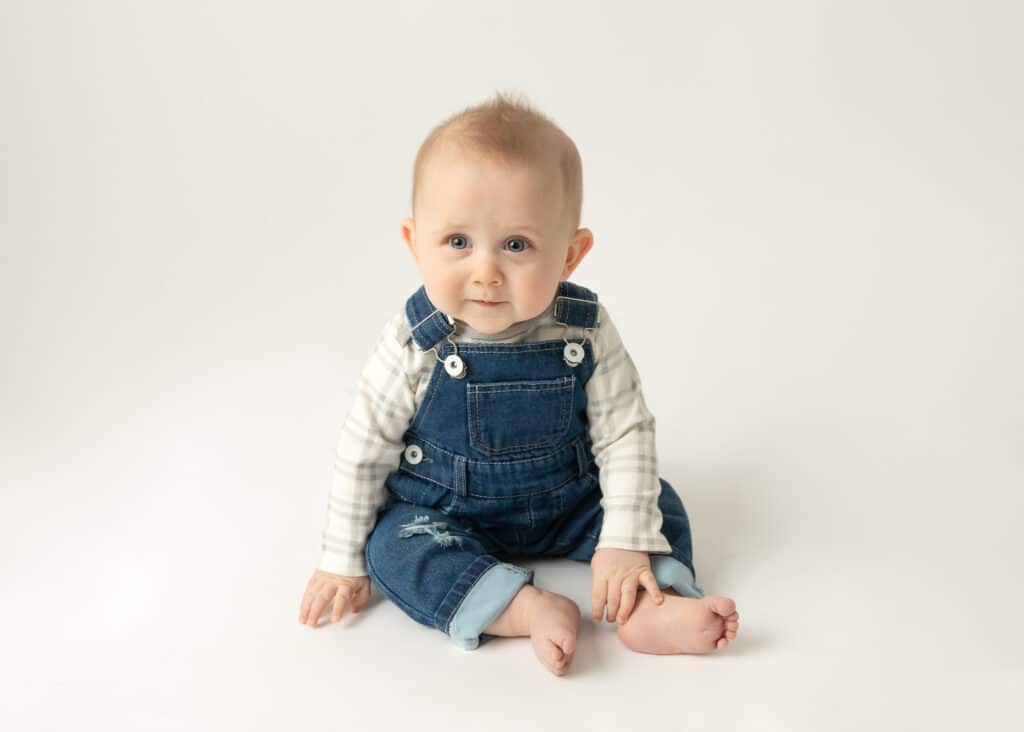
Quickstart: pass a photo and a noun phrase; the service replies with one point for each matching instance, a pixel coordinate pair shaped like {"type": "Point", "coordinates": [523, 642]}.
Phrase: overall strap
{"type": "Point", "coordinates": [428, 324]}
{"type": "Point", "coordinates": [576, 305]}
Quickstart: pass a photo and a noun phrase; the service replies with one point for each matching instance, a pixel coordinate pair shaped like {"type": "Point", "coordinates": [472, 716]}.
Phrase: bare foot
{"type": "Point", "coordinates": [680, 624]}
{"type": "Point", "coordinates": [553, 622]}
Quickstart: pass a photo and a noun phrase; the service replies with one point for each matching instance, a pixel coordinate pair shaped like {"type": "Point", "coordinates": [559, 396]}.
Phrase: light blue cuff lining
{"type": "Point", "coordinates": [485, 601]}
{"type": "Point", "coordinates": [670, 572]}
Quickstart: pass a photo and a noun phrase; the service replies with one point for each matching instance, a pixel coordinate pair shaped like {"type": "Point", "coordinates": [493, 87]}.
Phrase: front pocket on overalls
{"type": "Point", "coordinates": [405, 485]}
{"type": "Point", "coordinates": [506, 416]}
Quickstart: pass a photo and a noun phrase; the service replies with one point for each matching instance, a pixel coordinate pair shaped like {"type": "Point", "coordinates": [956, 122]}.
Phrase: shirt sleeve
{"type": "Point", "coordinates": [369, 448]}
{"type": "Point", "coordinates": [624, 447]}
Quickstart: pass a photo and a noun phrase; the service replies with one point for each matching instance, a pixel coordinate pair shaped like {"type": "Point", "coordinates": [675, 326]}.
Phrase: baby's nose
{"type": "Point", "coordinates": [486, 272]}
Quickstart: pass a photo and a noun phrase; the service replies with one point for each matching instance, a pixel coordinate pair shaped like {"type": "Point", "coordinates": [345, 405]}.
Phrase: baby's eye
{"type": "Point", "coordinates": [458, 241]}
{"type": "Point", "coordinates": [517, 245]}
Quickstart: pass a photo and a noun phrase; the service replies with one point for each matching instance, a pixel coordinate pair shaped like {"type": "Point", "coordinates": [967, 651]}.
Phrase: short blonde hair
{"type": "Point", "coordinates": [510, 129]}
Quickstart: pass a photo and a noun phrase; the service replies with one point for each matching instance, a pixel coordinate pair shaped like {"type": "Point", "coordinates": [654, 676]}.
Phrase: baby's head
{"type": "Point", "coordinates": [497, 193]}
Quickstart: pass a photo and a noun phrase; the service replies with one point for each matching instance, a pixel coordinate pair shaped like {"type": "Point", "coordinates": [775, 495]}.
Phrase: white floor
{"type": "Point", "coordinates": [153, 574]}
{"type": "Point", "coordinates": [807, 226]}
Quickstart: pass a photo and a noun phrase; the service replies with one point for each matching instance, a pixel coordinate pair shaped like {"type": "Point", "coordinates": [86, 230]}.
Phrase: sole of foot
{"type": "Point", "coordinates": [680, 624]}
{"type": "Point", "coordinates": [554, 621]}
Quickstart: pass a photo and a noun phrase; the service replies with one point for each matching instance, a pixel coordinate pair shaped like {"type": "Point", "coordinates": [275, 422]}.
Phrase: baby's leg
{"type": "Point", "coordinates": [687, 622]}
{"type": "Point", "coordinates": [439, 571]}
{"type": "Point", "coordinates": [551, 620]}
{"type": "Point", "coordinates": [443, 574]}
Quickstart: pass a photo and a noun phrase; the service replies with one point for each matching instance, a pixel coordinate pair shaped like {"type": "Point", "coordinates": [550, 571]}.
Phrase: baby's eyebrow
{"type": "Point", "coordinates": [525, 229]}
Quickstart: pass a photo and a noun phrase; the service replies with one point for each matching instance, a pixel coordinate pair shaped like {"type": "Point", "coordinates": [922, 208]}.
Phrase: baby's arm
{"type": "Point", "coordinates": [368, 449]}
{"type": "Point", "coordinates": [623, 443]}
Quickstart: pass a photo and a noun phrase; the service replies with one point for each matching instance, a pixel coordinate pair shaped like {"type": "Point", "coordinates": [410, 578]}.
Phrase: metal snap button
{"type": "Point", "coordinates": [414, 454]}
{"type": "Point", "coordinates": [573, 354]}
{"type": "Point", "coordinates": [455, 366]}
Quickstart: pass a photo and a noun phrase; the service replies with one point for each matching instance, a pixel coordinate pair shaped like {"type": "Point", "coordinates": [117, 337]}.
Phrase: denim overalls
{"type": "Point", "coordinates": [498, 464]}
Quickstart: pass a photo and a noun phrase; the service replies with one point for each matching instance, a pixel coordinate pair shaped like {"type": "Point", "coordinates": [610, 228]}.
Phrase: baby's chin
{"type": "Point", "coordinates": [495, 319]}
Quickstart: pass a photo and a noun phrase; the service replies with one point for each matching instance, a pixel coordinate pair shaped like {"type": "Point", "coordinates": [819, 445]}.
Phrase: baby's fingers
{"type": "Point", "coordinates": [598, 595]}
{"type": "Point", "coordinates": [614, 591]}
{"type": "Point", "coordinates": [321, 597]}
{"type": "Point", "coordinates": [361, 598]}
{"type": "Point", "coordinates": [307, 599]}
{"type": "Point", "coordinates": [341, 601]}
{"type": "Point", "coordinates": [650, 583]}
{"type": "Point", "coordinates": [628, 600]}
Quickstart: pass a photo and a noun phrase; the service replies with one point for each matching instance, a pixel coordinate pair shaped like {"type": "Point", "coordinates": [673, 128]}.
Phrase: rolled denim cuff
{"type": "Point", "coordinates": [485, 601]}
{"type": "Point", "coordinates": [670, 572]}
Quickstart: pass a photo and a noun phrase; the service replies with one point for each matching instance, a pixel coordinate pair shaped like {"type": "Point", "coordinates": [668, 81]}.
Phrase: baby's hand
{"type": "Point", "coordinates": [616, 574]}
{"type": "Point", "coordinates": [351, 592]}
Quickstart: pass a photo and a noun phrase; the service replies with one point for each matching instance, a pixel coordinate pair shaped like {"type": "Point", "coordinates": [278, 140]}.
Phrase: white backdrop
{"type": "Point", "coordinates": [807, 226]}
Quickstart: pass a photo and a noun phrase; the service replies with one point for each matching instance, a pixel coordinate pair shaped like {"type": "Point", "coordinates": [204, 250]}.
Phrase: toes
{"type": "Point", "coordinates": [552, 653]}
{"type": "Point", "coordinates": [722, 606]}
{"type": "Point", "coordinates": [553, 657]}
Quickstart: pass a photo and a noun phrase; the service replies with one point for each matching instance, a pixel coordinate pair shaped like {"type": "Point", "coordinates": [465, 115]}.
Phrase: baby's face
{"type": "Point", "coordinates": [490, 238]}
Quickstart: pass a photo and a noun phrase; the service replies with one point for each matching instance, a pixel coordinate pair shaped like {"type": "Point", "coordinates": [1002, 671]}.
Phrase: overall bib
{"type": "Point", "coordinates": [498, 464]}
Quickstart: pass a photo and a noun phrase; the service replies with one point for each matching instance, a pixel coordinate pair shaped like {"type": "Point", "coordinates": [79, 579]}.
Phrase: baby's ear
{"type": "Point", "coordinates": [409, 235]}
{"type": "Point", "coordinates": [580, 244]}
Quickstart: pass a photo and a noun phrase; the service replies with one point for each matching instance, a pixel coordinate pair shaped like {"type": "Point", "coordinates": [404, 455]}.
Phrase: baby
{"type": "Point", "coordinates": [501, 416]}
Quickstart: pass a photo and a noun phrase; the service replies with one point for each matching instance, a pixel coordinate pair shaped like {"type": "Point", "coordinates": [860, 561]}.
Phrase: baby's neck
{"type": "Point", "coordinates": [464, 331]}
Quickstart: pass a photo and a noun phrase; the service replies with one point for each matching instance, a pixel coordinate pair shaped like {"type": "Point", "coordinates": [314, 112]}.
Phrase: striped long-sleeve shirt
{"type": "Point", "coordinates": [393, 382]}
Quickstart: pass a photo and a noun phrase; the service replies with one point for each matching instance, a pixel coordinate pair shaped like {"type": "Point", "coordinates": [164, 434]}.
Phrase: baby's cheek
{"type": "Point", "coordinates": [442, 289]}
{"type": "Point", "coordinates": [537, 296]}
